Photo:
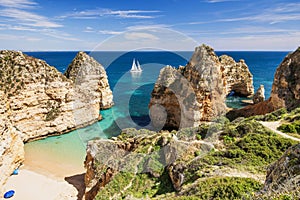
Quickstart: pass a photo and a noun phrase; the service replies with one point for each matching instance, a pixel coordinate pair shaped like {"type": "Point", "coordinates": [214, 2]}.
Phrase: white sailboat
{"type": "Point", "coordinates": [136, 67]}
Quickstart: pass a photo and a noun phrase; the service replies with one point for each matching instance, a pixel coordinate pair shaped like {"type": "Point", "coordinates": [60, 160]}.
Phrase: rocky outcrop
{"type": "Point", "coordinates": [132, 154]}
{"type": "Point", "coordinates": [187, 96]}
{"type": "Point", "coordinates": [283, 176]}
{"type": "Point", "coordinates": [11, 145]}
{"type": "Point", "coordinates": [43, 101]}
{"type": "Point", "coordinates": [259, 95]}
{"type": "Point", "coordinates": [87, 73]}
{"type": "Point", "coordinates": [285, 89]}
{"type": "Point", "coordinates": [238, 77]}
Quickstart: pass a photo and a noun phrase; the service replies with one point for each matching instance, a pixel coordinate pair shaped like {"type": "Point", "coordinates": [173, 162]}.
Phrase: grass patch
{"type": "Point", "coordinates": [223, 188]}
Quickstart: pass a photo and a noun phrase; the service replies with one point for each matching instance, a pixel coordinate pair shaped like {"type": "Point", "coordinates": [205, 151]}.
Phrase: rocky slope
{"type": "Point", "coordinates": [186, 96]}
{"type": "Point", "coordinates": [284, 174]}
{"type": "Point", "coordinates": [223, 160]}
{"type": "Point", "coordinates": [285, 89]}
{"type": "Point", "coordinates": [43, 101]}
{"type": "Point", "coordinates": [11, 145]}
{"type": "Point", "coordinates": [87, 73]}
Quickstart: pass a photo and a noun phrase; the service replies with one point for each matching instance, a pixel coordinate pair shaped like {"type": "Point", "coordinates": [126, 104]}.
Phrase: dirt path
{"type": "Point", "coordinates": [273, 126]}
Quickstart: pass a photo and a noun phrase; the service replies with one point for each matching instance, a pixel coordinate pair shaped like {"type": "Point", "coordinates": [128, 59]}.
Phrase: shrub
{"type": "Point", "coordinates": [287, 128]}
{"type": "Point", "coordinates": [224, 188]}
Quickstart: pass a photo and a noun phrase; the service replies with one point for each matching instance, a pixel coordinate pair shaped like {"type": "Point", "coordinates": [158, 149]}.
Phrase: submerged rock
{"type": "Point", "coordinates": [259, 95]}
{"type": "Point", "coordinates": [43, 101]}
{"type": "Point", "coordinates": [187, 96]}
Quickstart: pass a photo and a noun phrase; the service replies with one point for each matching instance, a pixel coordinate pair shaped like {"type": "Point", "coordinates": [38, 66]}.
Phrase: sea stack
{"type": "Point", "coordinates": [259, 95]}
{"type": "Point", "coordinates": [187, 96]}
{"type": "Point", "coordinates": [87, 73]}
{"type": "Point", "coordinates": [43, 102]}
{"type": "Point", "coordinates": [285, 90]}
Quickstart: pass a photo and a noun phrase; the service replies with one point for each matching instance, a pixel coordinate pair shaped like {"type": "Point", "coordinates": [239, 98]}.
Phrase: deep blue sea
{"type": "Point", "coordinates": [132, 93]}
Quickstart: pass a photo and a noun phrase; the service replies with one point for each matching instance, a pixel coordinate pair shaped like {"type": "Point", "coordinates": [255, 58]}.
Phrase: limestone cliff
{"type": "Point", "coordinates": [186, 96]}
{"type": "Point", "coordinates": [285, 89]}
{"type": "Point", "coordinates": [42, 100]}
{"type": "Point", "coordinates": [283, 176]}
{"type": "Point", "coordinates": [87, 73]}
{"type": "Point", "coordinates": [237, 75]}
{"type": "Point", "coordinates": [11, 145]}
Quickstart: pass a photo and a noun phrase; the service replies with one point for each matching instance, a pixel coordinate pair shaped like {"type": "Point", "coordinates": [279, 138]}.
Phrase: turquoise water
{"type": "Point", "coordinates": [132, 94]}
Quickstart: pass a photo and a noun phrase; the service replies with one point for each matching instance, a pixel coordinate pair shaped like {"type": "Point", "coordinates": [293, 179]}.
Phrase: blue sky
{"type": "Point", "coordinates": [85, 24]}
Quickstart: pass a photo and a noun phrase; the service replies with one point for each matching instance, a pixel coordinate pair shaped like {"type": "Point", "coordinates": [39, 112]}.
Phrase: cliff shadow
{"type": "Point", "coordinates": [78, 182]}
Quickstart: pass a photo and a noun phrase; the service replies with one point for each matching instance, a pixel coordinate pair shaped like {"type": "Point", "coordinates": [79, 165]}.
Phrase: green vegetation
{"type": "Point", "coordinates": [243, 145]}
{"type": "Point", "coordinates": [291, 123]}
{"type": "Point", "coordinates": [53, 111]}
{"type": "Point", "coordinates": [274, 116]}
{"type": "Point", "coordinates": [224, 188]}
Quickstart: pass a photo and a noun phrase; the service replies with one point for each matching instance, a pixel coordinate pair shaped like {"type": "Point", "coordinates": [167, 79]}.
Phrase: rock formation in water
{"type": "Point", "coordinates": [43, 101]}
{"type": "Point", "coordinates": [11, 145]}
{"type": "Point", "coordinates": [186, 96]}
{"type": "Point", "coordinates": [237, 75]}
{"type": "Point", "coordinates": [259, 95]}
{"type": "Point", "coordinates": [87, 73]}
{"type": "Point", "coordinates": [284, 174]}
{"type": "Point", "coordinates": [285, 89]}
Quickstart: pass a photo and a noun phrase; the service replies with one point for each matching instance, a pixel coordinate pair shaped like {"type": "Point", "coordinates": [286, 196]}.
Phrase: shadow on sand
{"type": "Point", "coordinates": [78, 182]}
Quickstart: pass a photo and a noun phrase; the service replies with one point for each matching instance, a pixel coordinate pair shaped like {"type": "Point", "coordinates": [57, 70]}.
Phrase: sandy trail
{"type": "Point", "coordinates": [273, 126]}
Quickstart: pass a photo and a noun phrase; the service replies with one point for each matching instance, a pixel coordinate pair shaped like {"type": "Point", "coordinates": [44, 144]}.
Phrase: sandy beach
{"type": "Point", "coordinates": [29, 185]}
{"type": "Point", "coordinates": [48, 178]}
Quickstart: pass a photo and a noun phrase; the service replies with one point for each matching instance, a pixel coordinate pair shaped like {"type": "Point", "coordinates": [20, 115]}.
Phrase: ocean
{"type": "Point", "coordinates": [132, 95]}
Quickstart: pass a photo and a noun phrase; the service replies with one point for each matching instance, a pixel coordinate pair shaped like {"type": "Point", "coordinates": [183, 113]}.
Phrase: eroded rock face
{"type": "Point", "coordinates": [42, 100]}
{"type": "Point", "coordinates": [259, 95]}
{"type": "Point", "coordinates": [87, 73]}
{"type": "Point", "coordinates": [284, 174]}
{"type": "Point", "coordinates": [187, 96]}
{"type": "Point", "coordinates": [238, 77]}
{"type": "Point", "coordinates": [286, 85]}
{"type": "Point", "coordinates": [285, 89]}
{"type": "Point", "coordinates": [11, 145]}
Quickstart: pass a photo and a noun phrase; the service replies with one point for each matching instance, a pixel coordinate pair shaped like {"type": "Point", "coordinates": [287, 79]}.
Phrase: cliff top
{"type": "Point", "coordinates": [18, 69]}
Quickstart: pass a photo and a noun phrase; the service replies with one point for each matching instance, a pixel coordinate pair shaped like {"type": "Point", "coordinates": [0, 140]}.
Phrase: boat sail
{"type": "Point", "coordinates": [136, 67]}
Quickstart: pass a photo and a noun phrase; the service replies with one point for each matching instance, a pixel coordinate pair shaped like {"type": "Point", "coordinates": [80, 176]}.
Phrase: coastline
{"type": "Point", "coordinates": [30, 185]}
{"type": "Point", "coordinates": [47, 177]}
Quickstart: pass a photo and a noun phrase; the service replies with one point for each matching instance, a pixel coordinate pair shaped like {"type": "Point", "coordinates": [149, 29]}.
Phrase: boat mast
{"type": "Point", "coordinates": [138, 66]}
{"type": "Point", "coordinates": [133, 68]}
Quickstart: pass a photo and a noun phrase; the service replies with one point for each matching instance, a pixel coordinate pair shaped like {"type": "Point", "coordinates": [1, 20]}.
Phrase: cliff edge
{"type": "Point", "coordinates": [44, 102]}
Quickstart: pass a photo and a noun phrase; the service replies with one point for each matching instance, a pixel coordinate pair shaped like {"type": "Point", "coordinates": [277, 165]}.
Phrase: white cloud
{"type": "Point", "coordinates": [140, 36]}
{"type": "Point", "coordinates": [18, 3]}
{"type": "Point", "coordinates": [96, 13]}
{"type": "Point", "coordinates": [147, 27]}
{"type": "Point", "coordinates": [28, 18]}
{"type": "Point", "coordinates": [108, 32]}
